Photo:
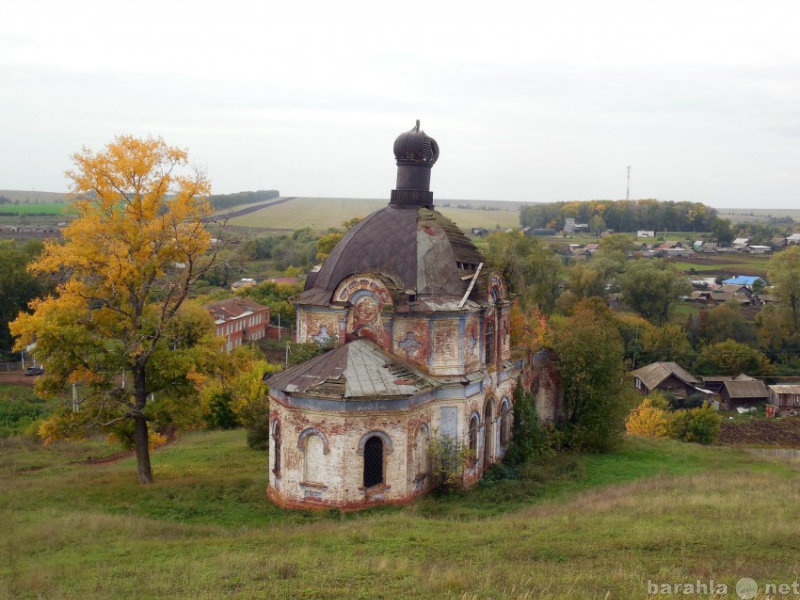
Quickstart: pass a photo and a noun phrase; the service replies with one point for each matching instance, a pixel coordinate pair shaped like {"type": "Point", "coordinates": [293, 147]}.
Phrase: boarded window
{"type": "Point", "coordinates": [373, 461]}
{"type": "Point", "coordinates": [421, 451]}
{"type": "Point", "coordinates": [314, 463]}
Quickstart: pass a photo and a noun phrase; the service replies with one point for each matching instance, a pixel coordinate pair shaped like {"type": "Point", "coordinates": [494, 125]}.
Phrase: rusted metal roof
{"type": "Point", "coordinates": [233, 308]}
{"type": "Point", "coordinates": [359, 370]}
{"type": "Point", "coordinates": [420, 248]}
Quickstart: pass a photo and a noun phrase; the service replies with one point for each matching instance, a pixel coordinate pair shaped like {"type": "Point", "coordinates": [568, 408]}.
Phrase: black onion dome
{"type": "Point", "coordinates": [415, 147]}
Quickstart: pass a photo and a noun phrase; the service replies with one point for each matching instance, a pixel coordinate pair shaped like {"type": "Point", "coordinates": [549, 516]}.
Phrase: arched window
{"type": "Point", "coordinates": [373, 461]}
{"type": "Point", "coordinates": [505, 423]}
{"type": "Point", "coordinates": [474, 422]}
{"type": "Point", "coordinates": [489, 348]}
{"type": "Point", "coordinates": [314, 460]}
{"type": "Point", "coordinates": [488, 432]}
{"type": "Point", "coordinates": [276, 448]}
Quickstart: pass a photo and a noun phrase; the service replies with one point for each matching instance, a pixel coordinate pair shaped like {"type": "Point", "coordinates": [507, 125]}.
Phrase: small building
{"type": "Point", "coordinates": [743, 391]}
{"type": "Point", "coordinates": [244, 283]}
{"type": "Point", "coordinates": [740, 242]}
{"type": "Point", "coordinates": [793, 239]}
{"type": "Point", "coordinates": [746, 280]}
{"type": "Point", "coordinates": [756, 249]}
{"type": "Point", "coordinates": [785, 398]}
{"type": "Point", "coordinates": [646, 234]}
{"type": "Point", "coordinates": [669, 378]}
{"type": "Point", "coordinates": [239, 320]}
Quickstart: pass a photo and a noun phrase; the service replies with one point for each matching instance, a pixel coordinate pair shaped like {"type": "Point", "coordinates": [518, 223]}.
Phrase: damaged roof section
{"type": "Point", "coordinates": [425, 252]}
{"type": "Point", "coordinates": [356, 371]}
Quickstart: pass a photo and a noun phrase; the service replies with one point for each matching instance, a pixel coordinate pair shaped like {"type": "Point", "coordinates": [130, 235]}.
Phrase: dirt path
{"type": "Point", "coordinates": [16, 378]}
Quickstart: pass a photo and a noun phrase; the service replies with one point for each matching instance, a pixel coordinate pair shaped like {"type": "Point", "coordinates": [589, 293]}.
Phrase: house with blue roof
{"type": "Point", "coordinates": [748, 280]}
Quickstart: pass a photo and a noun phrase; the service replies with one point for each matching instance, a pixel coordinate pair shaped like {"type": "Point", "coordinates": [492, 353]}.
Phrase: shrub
{"type": "Point", "coordinates": [700, 425]}
{"type": "Point", "coordinates": [448, 458]}
{"type": "Point", "coordinates": [648, 419]}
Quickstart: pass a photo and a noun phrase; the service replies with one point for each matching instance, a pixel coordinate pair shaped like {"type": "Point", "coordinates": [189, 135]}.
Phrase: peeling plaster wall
{"type": "Point", "coordinates": [341, 469]}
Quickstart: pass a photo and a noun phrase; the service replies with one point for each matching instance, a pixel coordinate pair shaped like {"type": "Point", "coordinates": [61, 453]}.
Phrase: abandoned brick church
{"type": "Point", "coordinates": [422, 349]}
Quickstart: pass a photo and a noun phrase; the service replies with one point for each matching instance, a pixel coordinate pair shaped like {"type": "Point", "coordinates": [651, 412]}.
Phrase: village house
{"type": "Point", "coordinates": [669, 378]}
{"type": "Point", "coordinates": [745, 280]}
{"type": "Point", "coordinates": [743, 391]}
{"type": "Point", "coordinates": [421, 330]}
{"type": "Point", "coordinates": [239, 320]}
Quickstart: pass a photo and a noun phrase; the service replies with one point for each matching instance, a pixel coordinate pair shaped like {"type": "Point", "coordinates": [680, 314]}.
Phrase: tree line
{"type": "Point", "coordinates": [220, 201]}
{"type": "Point", "coordinates": [621, 215]}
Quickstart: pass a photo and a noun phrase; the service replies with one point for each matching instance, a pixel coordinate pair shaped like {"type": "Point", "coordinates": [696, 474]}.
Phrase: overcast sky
{"type": "Point", "coordinates": [529, 101]}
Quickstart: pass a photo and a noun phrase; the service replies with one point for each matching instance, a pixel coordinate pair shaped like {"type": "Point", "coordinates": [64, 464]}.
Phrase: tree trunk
{"type": "Point", "coordinates": [140, 437]}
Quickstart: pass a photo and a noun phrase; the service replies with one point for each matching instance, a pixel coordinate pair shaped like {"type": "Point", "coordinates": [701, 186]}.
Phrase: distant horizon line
{"type": "Point", "coordinates": [519, 202]}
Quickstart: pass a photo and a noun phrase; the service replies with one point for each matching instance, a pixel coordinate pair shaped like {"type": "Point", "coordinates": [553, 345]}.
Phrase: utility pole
{"type": "Point", "coordinates": [628, 191]}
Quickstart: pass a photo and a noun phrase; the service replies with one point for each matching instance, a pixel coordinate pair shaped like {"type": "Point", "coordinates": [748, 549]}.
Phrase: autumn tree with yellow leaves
{"type": "Point", "coordinates": [117, 326]}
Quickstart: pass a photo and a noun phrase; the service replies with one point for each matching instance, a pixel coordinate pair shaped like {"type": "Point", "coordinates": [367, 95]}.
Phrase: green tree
{"type": "Point", "coordinates": [597, 225]}
{"type": "Point", "coordinates": [720, 323]}
{"type": "Point", "coordinates": [528, 439]}
{"type": "Point", "coordinates": [722, 231]}
{"type": "Point", "coordinates": [651, 287]}
{"type": "Point", "coordinates": [731, 358]}
{"type": "Point", "coordinates": [18, 286]}
{"type": "Point", "coordinates": [784, 274]}
{"type": "Point", "coordinates": [532, 271]}
{"type": "Point", "coordinates": [589, 353]}
{"type": "Point", "coordinates": [667, 342]}
{"type": "Point", "coordinates": [128, 261]}
{"type": "Point", "coordinates": [278, 296]}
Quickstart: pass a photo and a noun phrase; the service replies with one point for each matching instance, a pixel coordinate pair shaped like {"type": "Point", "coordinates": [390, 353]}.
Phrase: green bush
{"type": "Point", "coordinates": [700, 425]}
{"type": "Point", "coordinates": [448, 459]}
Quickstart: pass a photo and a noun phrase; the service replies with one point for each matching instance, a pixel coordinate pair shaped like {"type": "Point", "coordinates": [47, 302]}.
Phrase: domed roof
{"type": "Point", "coordinates": [420, 249]}
{"type": "Point", "coordinates": [424, 253]}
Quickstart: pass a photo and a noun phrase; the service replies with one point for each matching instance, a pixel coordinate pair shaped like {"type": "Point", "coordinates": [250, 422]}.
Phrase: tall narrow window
{"type": "Point", "coordinates": [505, 424]}
{"type": "Point", "coordinates": [489, 350]}
{"type": "Point", "coordinates": [473, 436]}
{"type": "Point", "coordinates": [488, 432]}
{"type": "Point", "coordinates": [421, 451]}
{"type": "Point", "coordinates": [276, 448]}
{"type": "Point", "coordinates": [373, 461]}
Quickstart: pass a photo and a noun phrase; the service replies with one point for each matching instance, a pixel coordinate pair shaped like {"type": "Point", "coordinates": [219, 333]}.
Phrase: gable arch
{"type": "Point", "coordinates": [301, 440]}
{"type": "Point", "coordinates": [387, 441]}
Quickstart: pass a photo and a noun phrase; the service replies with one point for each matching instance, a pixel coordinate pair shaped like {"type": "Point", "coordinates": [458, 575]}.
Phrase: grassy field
{"type": "Point", "coordinates": [321, 214]}
{"type": "Point", "coordinates": [50, 208]}
{"type": "Point", "coordinates": [575, 527]}
{"type": "Point", "coordinates": [733, 264]}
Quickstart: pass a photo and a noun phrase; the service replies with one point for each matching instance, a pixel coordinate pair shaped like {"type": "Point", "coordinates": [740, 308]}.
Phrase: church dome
{"type": "Point", "coordinates": [417, 248]}
{"type": "Point", "coordinates": [424, 252]}
{"type": "Point", "coordinates": [415, 146]}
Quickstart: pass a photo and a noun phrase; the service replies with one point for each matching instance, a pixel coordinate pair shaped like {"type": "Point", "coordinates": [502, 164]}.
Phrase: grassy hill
{"type": "Point", "coordinates": [578, 526]}
{"type": "Point", "coordinates": [33, 197]}
{"type": "Point", "coordinates": [321, 214]}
